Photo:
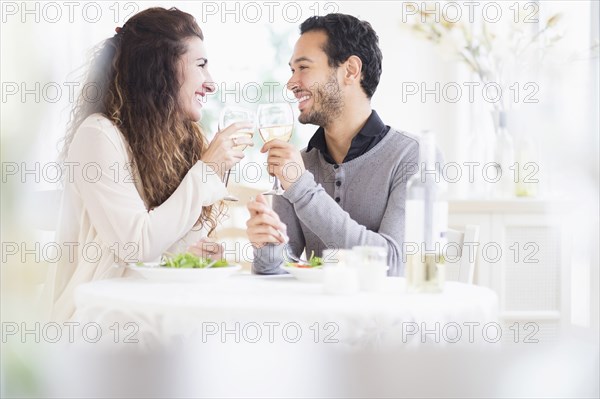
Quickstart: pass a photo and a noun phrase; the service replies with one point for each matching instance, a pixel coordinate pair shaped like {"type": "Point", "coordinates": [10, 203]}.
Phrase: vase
{"type": "Point", "coordinates": [506, 169]}
{"type": "Point", "coordinates": [480, 149]}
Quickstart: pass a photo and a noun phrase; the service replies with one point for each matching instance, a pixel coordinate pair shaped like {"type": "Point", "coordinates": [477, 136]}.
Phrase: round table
{"type": "Point", "coordinates": [251, 308]}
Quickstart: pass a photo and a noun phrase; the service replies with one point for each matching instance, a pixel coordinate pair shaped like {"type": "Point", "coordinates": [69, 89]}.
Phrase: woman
{"type": "Point", "coordinates": [143, 179]}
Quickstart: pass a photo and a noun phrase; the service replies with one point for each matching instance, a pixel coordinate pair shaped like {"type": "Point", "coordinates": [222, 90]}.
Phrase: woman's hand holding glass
{"type": "Point", "coordinates": [224, 151]}
{"type": "Point", "coordinates": [233, 115]}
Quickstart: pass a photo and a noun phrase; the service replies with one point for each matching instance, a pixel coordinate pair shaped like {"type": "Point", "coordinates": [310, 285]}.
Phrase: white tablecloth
{"type": "Point", "coordinates": [271, 308]}
{"type": "Point", "coordinates": [350, 368]}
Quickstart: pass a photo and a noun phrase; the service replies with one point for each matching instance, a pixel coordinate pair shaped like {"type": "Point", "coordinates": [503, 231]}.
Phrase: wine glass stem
{"type": "Point", "coordinates": [227, 176]}
{"type": "Point", "coordinates": [276, 184]}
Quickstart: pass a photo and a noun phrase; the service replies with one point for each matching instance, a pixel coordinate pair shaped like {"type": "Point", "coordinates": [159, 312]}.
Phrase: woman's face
{"type": "Point", "coordinates": [195, 79]}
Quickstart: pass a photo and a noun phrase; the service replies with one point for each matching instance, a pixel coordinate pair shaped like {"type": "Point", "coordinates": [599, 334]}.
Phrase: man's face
{"type": "Point", "coordinates": [313, 82]}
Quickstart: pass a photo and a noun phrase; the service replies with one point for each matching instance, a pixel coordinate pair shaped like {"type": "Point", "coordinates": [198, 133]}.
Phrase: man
{"type": "Point", "coordinates": [348, 187]}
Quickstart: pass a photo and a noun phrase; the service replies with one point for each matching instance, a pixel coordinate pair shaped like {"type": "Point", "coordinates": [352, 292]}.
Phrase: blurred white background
{"type": "Point", "coordinates": [44, 45]}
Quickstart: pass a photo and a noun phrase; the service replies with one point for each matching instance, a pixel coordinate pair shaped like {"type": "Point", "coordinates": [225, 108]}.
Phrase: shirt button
{"type": "Point", "coordinates": [338, 183]}
{"type": "Point", "coordinates": [337, 199]}
{"type": "Point", "coordinates": [336, 166]}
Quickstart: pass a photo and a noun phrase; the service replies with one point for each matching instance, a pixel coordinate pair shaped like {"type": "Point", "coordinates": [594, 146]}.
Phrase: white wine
{"type": "Point", "coordinates": [424, 272]}
{"type": "Point", "coordinates": [242, 133]}
{"type": "Point", "coordinates": [281, 132]}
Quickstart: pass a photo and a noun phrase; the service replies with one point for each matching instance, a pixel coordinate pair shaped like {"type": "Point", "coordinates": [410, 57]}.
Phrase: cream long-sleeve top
{"type": "Point", "coordinates": [104, 223]}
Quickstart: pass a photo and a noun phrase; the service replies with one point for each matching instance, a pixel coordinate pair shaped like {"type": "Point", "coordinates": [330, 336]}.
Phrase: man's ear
{"type": "Point", "coordinates": [352, 69]}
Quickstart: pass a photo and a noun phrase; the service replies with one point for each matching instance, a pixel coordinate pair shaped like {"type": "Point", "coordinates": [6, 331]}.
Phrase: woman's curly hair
{"type": "Point", "coordinates": [136, 75]}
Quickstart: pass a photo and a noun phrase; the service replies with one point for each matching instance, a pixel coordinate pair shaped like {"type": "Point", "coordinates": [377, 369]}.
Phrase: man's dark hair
{"type": "Point", "coordinates": [347, 36]}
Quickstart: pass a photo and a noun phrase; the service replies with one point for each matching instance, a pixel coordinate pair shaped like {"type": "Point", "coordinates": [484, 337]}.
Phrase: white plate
{"type": "Point", "coordinates": [154, 272]}
{"type": "Point", "coordinates": [311, 275]}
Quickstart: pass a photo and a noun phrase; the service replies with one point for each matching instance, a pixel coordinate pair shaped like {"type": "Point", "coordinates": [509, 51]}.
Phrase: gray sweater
{"type": "Point", "coordinates": [366, 207]}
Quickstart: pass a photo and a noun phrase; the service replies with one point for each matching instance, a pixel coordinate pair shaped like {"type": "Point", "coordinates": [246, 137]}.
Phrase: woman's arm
{"type": "Point", "coordinates": [102, 175]}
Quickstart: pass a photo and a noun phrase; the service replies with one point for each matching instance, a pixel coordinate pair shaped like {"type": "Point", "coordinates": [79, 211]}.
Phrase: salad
{"type": "Point", "coordinates": [313, 262]}
{"type": "Point", "coordinates": [188, 260]}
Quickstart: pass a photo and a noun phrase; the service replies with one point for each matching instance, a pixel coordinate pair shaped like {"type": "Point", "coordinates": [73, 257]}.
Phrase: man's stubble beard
{"type": "Point", "coordinates": [329, 103]}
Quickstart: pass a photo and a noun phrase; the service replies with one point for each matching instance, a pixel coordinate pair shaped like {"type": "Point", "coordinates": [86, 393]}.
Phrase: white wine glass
{"type": "Point", "coordinates": [275, 121]}
{"type": "Point", "coordinates": [232, 114]}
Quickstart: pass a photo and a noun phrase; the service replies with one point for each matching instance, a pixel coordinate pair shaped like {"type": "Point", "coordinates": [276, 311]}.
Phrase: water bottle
{"type": "Point", "coordinates": [426, 221]}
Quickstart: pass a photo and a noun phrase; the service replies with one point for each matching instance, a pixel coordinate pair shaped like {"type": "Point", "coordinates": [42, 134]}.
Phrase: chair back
{"type": "Point", "coordinates": [461, 254]}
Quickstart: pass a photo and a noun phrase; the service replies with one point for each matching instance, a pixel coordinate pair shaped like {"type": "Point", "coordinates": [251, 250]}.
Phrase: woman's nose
{"type": "Point", "coordinates": [210, 86]}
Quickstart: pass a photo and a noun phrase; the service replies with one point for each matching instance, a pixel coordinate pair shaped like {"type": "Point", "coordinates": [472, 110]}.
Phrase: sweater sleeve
{"type": "Point", "coordinates": [334, 226]}
{"type": "Point", "coordinates": [116, 209]}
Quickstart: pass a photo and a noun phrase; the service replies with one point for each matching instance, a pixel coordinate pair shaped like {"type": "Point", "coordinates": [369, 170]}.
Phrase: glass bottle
{"type": "Point", "coordinates": [426, 221]}
{"type": "Point", "coordinates": [527, 160]}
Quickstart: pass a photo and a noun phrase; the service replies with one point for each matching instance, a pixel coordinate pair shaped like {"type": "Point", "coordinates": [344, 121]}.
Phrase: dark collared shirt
{"type": "Point", "coordinates": [371, 133]}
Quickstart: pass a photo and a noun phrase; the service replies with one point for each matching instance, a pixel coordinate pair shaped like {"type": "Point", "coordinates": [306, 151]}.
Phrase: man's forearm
{"type": "Point", "coordinates": [267, 259]}
{"type": "Point", "coordinates": [327, 220]}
